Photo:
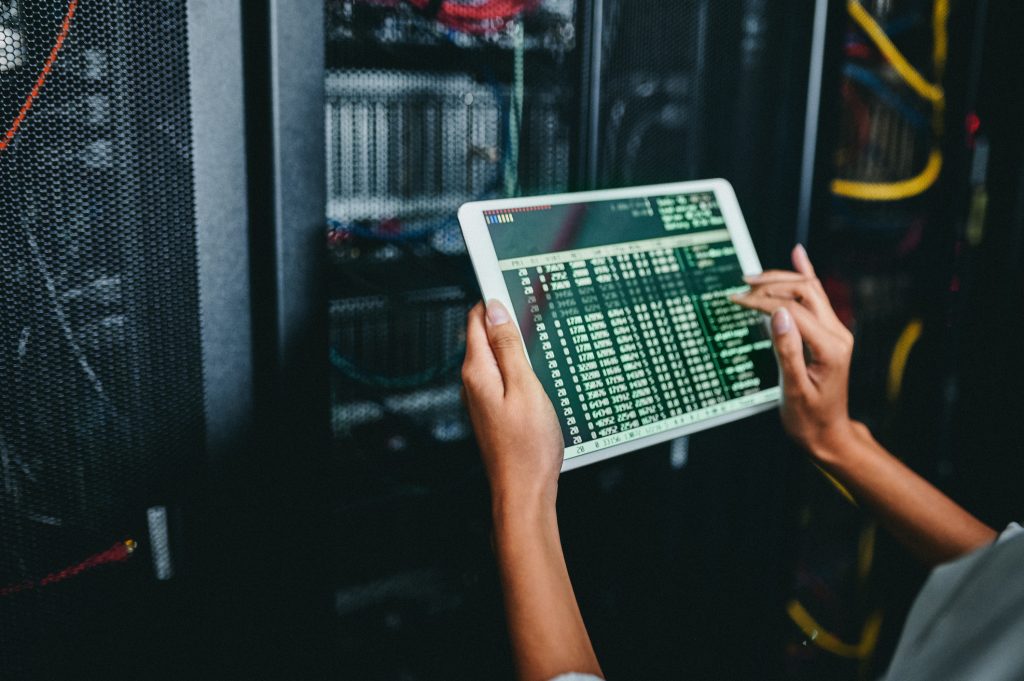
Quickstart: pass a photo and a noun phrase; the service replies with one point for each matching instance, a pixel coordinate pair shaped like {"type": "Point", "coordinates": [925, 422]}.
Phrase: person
{"type": "Point", "coordinates": [968, 620]}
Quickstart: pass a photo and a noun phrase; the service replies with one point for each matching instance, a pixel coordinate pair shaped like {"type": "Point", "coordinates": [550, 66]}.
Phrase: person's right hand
{"type": "Point", "coordinates": [515, 423]}
{"type": "Point", "coordinates": [814, 382]}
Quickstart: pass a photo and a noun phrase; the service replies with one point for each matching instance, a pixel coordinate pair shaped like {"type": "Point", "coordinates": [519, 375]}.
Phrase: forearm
{"type": "Point", "coordinates": [545, 626]}
{"type": "Point", "coordinates": [926, 521]}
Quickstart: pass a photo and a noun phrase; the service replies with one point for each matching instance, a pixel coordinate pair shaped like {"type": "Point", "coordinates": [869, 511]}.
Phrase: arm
{"type": "Point", "coordinates": [814, 412]}
{"type": "Point", "coordinates": [521, 445]}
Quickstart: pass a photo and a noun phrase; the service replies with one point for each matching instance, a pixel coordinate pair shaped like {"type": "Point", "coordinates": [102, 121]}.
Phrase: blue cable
{"type": "Point", "coordinates": [431, 228]}
{"type": "Point", "coordinates": [346, 366]}
{"type": "Point", "coordinates": [350, 370]}
{"type": "Point", "coordinates": [871, 81]}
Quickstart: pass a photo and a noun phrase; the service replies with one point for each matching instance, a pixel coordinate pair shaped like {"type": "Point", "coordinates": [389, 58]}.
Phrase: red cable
{"type": "Point", "coordinates": [860, 113]}
{"type": "Point", "coordinates": [480, 11]}
{"type": "Point", "coordinates": [492, 9]}
{"type": "Point", "coordinates": [117, 553]}
{"type": "Point", "coordinates": [482, 18]}
{"type": "Point", "coordinates": [858, 51]}
{"type": "Point", "coordinates": [41, 80]}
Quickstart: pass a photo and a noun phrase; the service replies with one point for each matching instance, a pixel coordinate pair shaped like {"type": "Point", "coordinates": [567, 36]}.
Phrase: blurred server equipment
{"type": "Point", "coordinates": [430, 104]}
{"type": "Point", "coordinates": [892, 251]}
{"type": "Point", "coordinates": [427, 109]}
{"type": "Point", "coordinates": [124, 343]}
{"type": "Point", "coordinates": [700, 89]}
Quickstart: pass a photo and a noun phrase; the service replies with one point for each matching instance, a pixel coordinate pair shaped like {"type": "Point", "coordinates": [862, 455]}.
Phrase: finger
{"type": "Point", "coordinates": [772, 276]}
{"type": "Point", "coordinates": [480, 368]}
{"type": "Point", "coordinates": [821, 305]}
{"type": "Point", "coordinates": [821, 341]}
{"type": "Point", "coordinates": [802, 292]}
{"type": "Point", "coordinates": [802, 261]}
{"type": "Point", "coordinates": [477, 347]}
{"type": "Point", "coordinates": [811, 295]}
{"type": "Point", "coordinates": [507, 346]}
{"type": "Point", "coordinates": [789, 351]}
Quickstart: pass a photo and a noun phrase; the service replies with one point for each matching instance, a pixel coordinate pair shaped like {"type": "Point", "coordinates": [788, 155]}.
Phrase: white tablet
{"type": "Point", "coordinates": [622, 299]}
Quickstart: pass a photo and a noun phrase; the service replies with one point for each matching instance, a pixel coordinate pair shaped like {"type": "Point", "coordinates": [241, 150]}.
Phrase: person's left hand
{"type": "Point", "coordinates": [813, 349]}
{"type": "Point", "coordinates": [515, 423]}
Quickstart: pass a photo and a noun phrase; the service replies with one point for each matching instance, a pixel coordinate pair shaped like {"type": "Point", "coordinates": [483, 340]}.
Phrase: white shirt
{"type": "Point", "coordinates": [968, 620]}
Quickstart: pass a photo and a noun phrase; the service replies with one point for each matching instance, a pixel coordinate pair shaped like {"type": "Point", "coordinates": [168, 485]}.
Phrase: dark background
{"type": "Point", "coordinates": [340, 527]}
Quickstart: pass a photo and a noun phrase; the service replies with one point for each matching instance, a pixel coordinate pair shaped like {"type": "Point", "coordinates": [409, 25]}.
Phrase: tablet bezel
{"type": "Point", "coordinates": [492, 284]}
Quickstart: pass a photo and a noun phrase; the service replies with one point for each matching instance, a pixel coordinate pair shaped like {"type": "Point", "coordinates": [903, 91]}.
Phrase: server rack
{"type": "Point", "coordinates": [126, 352]}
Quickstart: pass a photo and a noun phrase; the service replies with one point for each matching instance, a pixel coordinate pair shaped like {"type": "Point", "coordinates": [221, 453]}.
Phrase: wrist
{"type": "Point", "coordinates": [836, 442]}
{"type": "Point", "coordinates": [522, 505]}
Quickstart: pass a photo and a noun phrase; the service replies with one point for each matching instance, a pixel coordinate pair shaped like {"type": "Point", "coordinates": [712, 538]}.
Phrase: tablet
{"type": "Point", "coordinates": [621, 296]}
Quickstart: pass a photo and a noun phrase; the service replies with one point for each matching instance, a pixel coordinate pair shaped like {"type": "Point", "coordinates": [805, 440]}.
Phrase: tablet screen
{"type": "Point", "coordinates": [623, 305]}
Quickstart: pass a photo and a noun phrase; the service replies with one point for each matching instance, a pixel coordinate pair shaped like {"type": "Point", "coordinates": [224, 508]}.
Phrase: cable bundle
{"type": "Point", "coordinates": [485, 17]}
{"type": "Point", "coordinates": [482, 18]}
{"type": "Point", "coordinates": [927, 91]}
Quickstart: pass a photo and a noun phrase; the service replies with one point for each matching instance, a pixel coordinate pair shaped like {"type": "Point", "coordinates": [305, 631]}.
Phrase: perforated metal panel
{"type": "Point", "coordinates": [101, 401]}
{"type": "Point", "coordinates": [420, 117]}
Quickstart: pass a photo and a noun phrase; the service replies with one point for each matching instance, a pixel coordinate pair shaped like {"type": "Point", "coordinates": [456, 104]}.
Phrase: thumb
{"type": "Point", "coordinates": [507, 345]}
{"type": "Point", "coordinates": [789, 350]}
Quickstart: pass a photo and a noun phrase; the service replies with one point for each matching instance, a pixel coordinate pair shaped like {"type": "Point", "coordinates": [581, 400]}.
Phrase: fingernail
{"type": "Point", "coordinates": [801, 250]}
{"type": "Point", "coordinates": [496, 313]}
{"type": "Point", "coordinates": [782, 322]}
{"type": "Point", "coordinates": [751, 278]}
{"type": "Point", "coordinates": [739, 296]}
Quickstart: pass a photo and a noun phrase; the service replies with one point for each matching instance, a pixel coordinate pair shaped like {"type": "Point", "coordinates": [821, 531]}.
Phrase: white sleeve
{"type": "Point", "coordinates": [1012, 530]}
{"type": "Point", "coordinates": [968, 620]}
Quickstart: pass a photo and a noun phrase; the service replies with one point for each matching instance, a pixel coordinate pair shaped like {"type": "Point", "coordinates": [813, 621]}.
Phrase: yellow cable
{"type": "Point", "coordinates": [906, 71]}
{"type": "Point", "coordinates": [900, 356]}
{"type": "Point", "coordinates": [832, 643]}
{"type": "Point", "coordinates": [920, 183]}
{"type": "Point", "coordinates": [885, 191]}
{"type": "Point", "coordinates": [940, 50]}
{"type": "Point", "coordinates": [838, 485]}
{"type": "Point", "coordinates": [892, 191]}
{"type": "Point", "coordinates": [940, 40]}
{"type": "Point", "coordinates": [869, 634]}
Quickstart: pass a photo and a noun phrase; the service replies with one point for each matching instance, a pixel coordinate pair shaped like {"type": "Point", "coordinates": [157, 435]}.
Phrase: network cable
{"type": "Point", "coordinates": [119, 552]}
{"type": "Point", "coordinates": [352, 371]}
{"type": "Point", "coordinates": [900, 357]}
{"type": "Point", "coordinates": [515, 125]}
{"type": "Point", "coordinates": [51, 59]}
{"type": "Point", "coordinates": [933, 93]}
{"type": "Point", "coordinates": [510, 115]}
{"type": "Point", "coordinates": [868, 79]}
{"type": "Point", "coordinates": [482, 18]}
{"type": "Point", "coordinates": [826, 640]}
{"type": "Point", "coordinates": [911, 76]}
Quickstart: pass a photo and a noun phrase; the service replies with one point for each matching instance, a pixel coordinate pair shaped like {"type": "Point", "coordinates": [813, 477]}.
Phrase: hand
{"type": "Point", "coordinates": [814, 383]}
{"type": "Point", "coordinates": [814, 411]}
{"type": "Point", "coordinates": [516, 426]}
{"type": "Point", "coordinates": [521, 445]}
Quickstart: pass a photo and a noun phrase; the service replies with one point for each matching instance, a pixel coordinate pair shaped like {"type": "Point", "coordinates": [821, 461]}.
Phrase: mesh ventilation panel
{"type": "Point", "coordinates": [100, 374]}
{"type": "Point", "coordinates": [420, 117]}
